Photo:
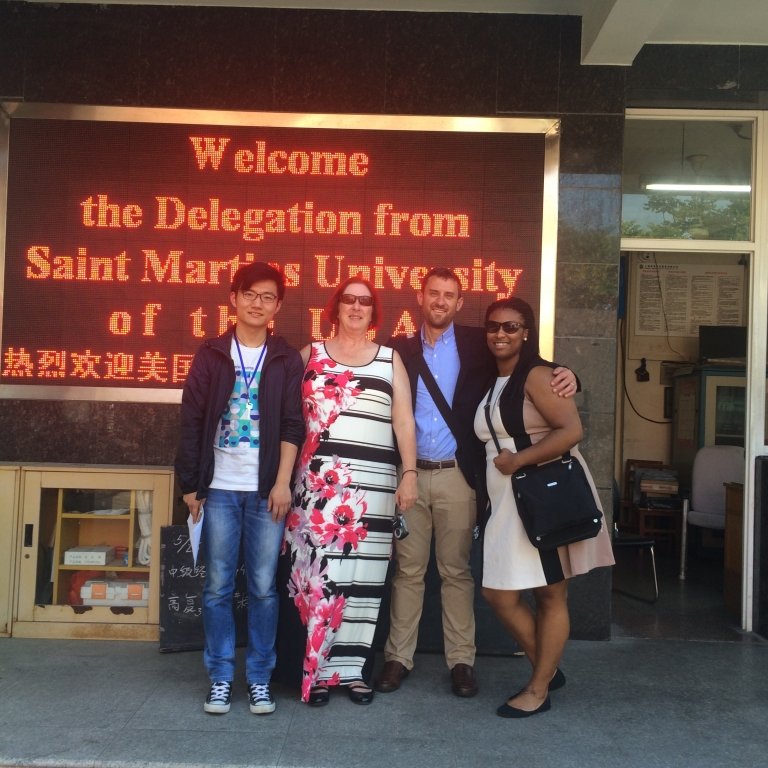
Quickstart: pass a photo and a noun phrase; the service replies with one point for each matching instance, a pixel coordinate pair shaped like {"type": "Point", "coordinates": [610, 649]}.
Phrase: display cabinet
{"type": "Point", "coordinates": [9, 507]}
{"type": "Point", "coordinates": [89, 545]}
{"type": "Point", "coordinates": [708, 409]}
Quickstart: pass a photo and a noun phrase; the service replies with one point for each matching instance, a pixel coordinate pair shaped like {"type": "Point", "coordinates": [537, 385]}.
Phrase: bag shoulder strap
{"type": "Point", "coordinates": [438, 397]}
{"type": "Point", "coordinates": [487, 409]}
{"type": "Point", "coordinates": [566, 457]}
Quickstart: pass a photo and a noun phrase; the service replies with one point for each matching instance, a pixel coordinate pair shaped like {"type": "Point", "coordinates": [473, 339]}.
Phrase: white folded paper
{"type": "Point", "coordinates": [195, 529]}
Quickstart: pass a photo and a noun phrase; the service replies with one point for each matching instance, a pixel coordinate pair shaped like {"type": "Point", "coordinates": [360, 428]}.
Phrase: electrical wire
{"type": "Point", "coordinates": [624, 379]}
{"type": "Point", "coordinates": [664, 309]}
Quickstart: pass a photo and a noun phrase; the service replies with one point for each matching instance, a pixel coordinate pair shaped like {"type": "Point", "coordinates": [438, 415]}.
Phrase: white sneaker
{"type": "Point", "coordinates": [260, 699]}
{"type": "Point", "coordinates": [219, 698]}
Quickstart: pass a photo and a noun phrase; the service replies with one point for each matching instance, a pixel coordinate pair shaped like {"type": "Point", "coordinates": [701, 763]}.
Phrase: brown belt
{"type": "Point", "coordinates": [424, 464]}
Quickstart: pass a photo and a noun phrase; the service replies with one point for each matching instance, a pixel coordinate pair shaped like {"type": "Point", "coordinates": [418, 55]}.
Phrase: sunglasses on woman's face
{"type": "Point", "coordinates": [351, 298]}
{"type": "Point", "coordinates": [508, 326]}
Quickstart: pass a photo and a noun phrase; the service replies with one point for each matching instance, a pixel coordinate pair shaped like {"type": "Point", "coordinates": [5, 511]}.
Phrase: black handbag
{"type": "Point", "coordinates": [554, 500]}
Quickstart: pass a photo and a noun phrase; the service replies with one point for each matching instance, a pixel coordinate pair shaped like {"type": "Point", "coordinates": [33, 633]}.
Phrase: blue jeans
{"type": "Point", "coordinates": [232, 516]}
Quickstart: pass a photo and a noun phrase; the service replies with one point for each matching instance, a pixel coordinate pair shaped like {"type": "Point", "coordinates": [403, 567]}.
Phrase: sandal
{"type": "Point", "coordinates": [359, 692]}
{"type": "Point", "coordinates": [319, 696]}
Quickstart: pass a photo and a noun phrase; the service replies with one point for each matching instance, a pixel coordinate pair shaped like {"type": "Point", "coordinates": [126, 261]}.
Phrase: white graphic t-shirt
{"type": "Point", "coordinates": [236, 444]}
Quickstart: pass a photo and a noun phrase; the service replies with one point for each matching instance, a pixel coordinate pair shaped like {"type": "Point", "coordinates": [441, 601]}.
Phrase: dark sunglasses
{"type": "Point", "coordinates": [508, 326]}
{"type": "Point", "coordinates": [350, 298]}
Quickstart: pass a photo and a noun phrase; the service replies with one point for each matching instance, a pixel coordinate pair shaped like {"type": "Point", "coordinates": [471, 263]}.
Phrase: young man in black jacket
{"type": "Point", "coordinates": [241, 427]}
{"type": "Point", "coordinates": [451, 476]}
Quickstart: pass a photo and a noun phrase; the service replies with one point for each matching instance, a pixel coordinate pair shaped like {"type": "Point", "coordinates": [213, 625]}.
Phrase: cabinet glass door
{"type": "Point", "coordinates": [729, 415]}
{"type": "Point", "coordinates": [96, 548]}
{"type": "Point", "coordinates": [724, 408]}
{"type": "Point", "coordinates": [86, 549]}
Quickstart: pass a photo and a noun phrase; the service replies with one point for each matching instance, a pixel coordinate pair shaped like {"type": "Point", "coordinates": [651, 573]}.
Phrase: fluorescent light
{"type": "Point", "coordinates": [699, 187]}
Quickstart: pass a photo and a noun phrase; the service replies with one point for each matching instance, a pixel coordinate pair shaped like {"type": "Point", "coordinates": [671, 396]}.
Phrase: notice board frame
{"type": "Point", "coordinates": [549, 128]}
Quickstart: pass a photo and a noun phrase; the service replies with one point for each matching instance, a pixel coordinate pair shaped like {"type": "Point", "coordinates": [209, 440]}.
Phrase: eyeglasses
{"type": "Point", "coordinates": [266, 297]}
{"type": "Point", "coordinates": [508, 326]}
{"type": "Point", "coordinates": [351, 298]}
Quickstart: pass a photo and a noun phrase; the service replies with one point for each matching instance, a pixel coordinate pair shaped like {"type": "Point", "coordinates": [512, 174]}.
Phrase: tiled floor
{"type": "Point", "coordinates": [693, 609]}
{"type": "Point", "coordinates": [635, 703]}
{"type": "Point", "coordinates": [678, 685]}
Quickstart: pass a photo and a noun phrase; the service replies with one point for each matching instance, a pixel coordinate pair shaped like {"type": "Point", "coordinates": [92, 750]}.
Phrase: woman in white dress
{"type": "Point", "coordinates": [533, 426]}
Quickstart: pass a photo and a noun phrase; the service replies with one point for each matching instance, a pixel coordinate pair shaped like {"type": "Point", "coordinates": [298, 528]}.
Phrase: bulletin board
{"type": "Point", "coordinates": [671, 295]}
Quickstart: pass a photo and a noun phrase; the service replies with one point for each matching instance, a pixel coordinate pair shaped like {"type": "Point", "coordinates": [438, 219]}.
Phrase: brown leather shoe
{"type": "Point", "coordinates": [391, 676]}
{"type": "Point", "coordinates": [463, 682]}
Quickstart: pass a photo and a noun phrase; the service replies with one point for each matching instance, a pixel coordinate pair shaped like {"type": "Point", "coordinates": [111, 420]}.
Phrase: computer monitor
{"type": "Point", "coordinates": [722, 342]}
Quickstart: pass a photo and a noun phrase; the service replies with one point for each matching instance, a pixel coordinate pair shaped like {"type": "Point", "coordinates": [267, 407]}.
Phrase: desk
{"type": "Point", "coordinates": [732, 565]}
{"type": "Point", "coordinates": [661, 523]}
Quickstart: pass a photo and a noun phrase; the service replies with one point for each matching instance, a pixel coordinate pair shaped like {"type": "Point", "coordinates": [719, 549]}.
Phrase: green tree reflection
{"type": "Point", "coordinates": [699, 216]}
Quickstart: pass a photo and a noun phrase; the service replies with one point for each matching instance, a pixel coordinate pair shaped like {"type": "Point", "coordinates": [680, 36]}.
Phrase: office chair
{"type": "Point", "coordinates": [713, 466]}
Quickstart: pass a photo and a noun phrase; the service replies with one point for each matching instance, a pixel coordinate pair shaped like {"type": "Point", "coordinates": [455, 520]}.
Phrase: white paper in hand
{"type": "Point", "coordinates": [195, 529]}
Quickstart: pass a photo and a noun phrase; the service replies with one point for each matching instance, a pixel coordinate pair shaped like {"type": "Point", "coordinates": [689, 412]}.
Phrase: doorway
{"type": "Point", "coordinates": [690, 261]}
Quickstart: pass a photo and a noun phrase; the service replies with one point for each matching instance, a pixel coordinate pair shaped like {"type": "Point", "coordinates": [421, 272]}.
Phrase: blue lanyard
{"type": "Point", "coordinates": [248, 381]}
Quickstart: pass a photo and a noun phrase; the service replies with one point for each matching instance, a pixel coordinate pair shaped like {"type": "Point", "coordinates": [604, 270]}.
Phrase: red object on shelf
{"type": "Point", "coordinates": [78, 579]}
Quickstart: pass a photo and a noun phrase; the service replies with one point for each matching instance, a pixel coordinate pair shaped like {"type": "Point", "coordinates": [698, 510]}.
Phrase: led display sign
{"type": "Point", "coordinates": [123, 231]}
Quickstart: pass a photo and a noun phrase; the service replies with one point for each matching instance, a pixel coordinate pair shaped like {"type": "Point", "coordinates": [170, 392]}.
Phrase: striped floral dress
{"type": "Point", "coordinates": [339, 530]}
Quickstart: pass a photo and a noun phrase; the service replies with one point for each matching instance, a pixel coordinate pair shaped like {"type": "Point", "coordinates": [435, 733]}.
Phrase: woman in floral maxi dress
{"type": "Point", "coordinates": [356, 400]}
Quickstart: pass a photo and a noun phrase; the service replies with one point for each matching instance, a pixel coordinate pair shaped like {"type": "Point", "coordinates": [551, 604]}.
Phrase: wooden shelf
{"type": "Point", "coordinates": [116, 566]}
{"type": "Point", "coordinates": [93, 516]}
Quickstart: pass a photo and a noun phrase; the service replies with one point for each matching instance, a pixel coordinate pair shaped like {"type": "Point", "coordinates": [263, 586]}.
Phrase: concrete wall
{"type": "Point", "coordinates": [382, 63]}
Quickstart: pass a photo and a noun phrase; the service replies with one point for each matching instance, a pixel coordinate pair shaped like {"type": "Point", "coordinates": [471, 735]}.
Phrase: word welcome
{"type": "Point", "coordinates": [210, 150]}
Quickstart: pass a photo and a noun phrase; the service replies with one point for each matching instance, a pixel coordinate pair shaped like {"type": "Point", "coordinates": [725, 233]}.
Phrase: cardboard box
{"type": "Point", "coordinates": [667, 487]}
{"type": "Point", "coordinates": [89, 555]}
{"type": "Point", "coordinates": [114, 592]}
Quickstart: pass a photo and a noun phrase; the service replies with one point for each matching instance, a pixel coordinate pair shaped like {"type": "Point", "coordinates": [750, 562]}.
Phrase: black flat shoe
{"type": "Point", "coordinates": [319, 696]}
{"type": "Point", "coordinates": [557, 681]}
{"type": "Point", "coordinates": [506, 711]}
{"type": "Point", "coordinates": [360, 693]}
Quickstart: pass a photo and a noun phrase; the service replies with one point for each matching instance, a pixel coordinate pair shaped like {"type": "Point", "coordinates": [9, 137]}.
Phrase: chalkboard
{"type": "Point", "coordinates": [181, 594]}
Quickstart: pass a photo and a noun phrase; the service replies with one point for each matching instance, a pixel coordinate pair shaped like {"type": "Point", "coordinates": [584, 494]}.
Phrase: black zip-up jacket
{"type": "Point", "coordinates": [477, 367]}
{"type": "Point", "coordinates": [477, 371]}
{"type": "Point", "coordinates": [207, 391]}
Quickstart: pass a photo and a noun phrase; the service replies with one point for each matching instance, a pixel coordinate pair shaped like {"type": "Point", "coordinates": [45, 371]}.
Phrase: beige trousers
{"type": "Point", "coordinates": [445, 508]}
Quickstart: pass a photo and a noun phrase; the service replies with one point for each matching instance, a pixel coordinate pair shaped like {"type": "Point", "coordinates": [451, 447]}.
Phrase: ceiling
{"type": "Point", "coordinates": [696, 150]}
{"type": "Point", "coordinates": [613, 31]}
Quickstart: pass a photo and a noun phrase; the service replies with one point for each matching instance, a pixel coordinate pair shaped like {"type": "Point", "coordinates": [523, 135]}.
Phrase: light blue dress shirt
{"type": "Point", "coordinates": [434, 440]}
